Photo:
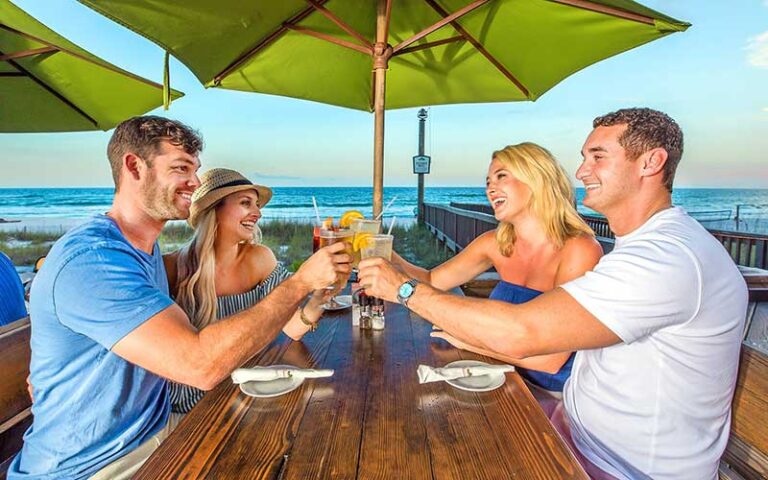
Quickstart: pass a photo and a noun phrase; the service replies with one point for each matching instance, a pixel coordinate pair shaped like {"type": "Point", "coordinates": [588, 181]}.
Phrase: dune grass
{"type": "Point", "coordinates": [290, 240]}
{"type": "Point", "coordinates": [24, 247]}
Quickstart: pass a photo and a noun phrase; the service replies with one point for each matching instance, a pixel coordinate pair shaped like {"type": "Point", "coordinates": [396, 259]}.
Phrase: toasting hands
{"type": "Point", "coordinates": [380, 278]}
{"type": "Point", "coordinates": [325, 267]}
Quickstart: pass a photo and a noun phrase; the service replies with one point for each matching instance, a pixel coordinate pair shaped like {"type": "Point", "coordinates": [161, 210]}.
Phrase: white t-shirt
{"type": "Point", "coordinates": [658, 405]}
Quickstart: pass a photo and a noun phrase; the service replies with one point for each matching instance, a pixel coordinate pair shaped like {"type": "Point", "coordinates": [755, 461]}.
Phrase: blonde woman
{"type": "Point", "coordinates": [223, 269]}
{"type": "Point", "coordinates": [540, 243]}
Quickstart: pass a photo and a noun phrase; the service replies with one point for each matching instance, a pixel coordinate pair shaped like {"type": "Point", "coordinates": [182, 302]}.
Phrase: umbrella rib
{"type": "Point", "coordinates": [106, 65]}
{"type": "Point", "coordinates": [615, 12]}
{"type": "Point", "coordinates": [425, 46]}
{"type": "Point", "coordinates": [272, 37]}
{"type": "Point", "coordinates": [446, 20]}
{"type": "Point", "coordinates": [28, 53]}
{"type": "Point", "coordinates": [24, 72]}
{"type": "Point", "coordinates": [340, 23]}
{"type": "Point", "coordinates": [329, 38]}
{"type": "Point", "coordinates": [480, 48]}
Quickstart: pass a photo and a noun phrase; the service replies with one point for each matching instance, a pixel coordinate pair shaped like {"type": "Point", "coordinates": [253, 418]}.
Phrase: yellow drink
{"type": "Point", "coordinates": [377, 246]}
{"type": "Point", "coordinates": [362, 226]}
{"type": "Point", "coordinates": [329, 237]}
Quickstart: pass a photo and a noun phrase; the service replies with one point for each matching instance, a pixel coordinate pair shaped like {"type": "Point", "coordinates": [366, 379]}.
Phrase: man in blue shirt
{"type": "Point", "coordinates": [106, 334]}
{"type": "Point", "coordinates": [12, 305]}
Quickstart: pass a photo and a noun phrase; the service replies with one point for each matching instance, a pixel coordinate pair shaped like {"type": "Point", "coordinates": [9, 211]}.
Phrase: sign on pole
{"type": "Point", "coordinates": [421, 163]}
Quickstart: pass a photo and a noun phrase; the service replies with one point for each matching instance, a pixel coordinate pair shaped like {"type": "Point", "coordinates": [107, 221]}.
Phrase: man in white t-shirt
{"type": "Point", "coordinates": [657, 324]}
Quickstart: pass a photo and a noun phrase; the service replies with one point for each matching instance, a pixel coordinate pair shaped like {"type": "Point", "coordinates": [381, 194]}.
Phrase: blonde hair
{"type": "Point", "coordinates": [551, 195]}
{"type": "Point", "coordinates": [196, 270]}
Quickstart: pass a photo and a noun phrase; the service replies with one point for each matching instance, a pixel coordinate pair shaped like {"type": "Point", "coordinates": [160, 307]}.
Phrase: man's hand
{"type": "Point", "coordinates": [325, 267]}
{"type": "Point", "coordinates": [380, 279]}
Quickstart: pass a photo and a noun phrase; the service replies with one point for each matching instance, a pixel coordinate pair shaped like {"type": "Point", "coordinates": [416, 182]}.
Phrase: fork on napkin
{"type": "Point", "coordinates": [430, 374]}
{"type": "Point", "coordinates": [265, 374]}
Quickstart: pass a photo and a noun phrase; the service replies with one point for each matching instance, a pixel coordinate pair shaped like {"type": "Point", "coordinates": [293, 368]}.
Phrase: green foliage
{"type": "Point", "coordinates": [25, 254]}
{"type": "Point", "coordinates": [174, 236]}
{"type": "Point", "coordinates": [417, 245]}
{"type": "Point", "coordinates": [24, 246]}
{"type": "Point", "coordinates": [24, 235]}
{"type": "Point", "coordinates": [290, 240]}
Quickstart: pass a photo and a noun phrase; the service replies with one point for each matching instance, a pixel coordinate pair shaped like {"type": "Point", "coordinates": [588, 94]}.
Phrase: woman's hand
{"type": "Point", "coordinates": [318, 299]}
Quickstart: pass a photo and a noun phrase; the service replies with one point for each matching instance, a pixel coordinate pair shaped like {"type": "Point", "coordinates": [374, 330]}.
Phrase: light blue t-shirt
{"type": "Point", "coordinates": [91, 407]}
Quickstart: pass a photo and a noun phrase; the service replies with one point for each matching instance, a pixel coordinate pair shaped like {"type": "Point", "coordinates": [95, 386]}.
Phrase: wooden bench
{"type": "Point", "coordinates": [746, 456]}
{"type": "Point", "coordinates": [747, 453]}
{"type": "Point", "coordinates": [15, 404]}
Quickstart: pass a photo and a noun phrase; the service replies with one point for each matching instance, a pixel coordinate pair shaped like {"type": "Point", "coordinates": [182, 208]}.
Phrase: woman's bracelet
{"type": "Point", "coordinates": [312, 325]}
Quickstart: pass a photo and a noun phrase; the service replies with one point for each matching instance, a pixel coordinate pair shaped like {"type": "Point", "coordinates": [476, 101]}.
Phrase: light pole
{"type": "Point", "coordinates": [419, 163]}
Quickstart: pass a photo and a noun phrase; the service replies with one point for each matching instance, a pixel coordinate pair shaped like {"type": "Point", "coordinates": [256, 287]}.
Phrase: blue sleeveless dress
{"type": "Point", "coordinates": [511, 293]}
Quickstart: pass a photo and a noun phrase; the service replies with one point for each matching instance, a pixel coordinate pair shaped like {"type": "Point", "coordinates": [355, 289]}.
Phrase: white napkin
{"type": "Point", "coordinates": [429, 374]}
{"type": "Point", "coordinates": [265, 374]}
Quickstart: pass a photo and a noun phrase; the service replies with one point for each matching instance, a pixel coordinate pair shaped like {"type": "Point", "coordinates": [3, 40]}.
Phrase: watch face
{"type": "Point", "coordinates": [406, 290]}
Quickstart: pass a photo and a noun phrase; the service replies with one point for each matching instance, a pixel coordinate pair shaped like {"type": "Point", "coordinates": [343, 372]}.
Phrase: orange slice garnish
{"type": "Point", "coordinates": [361, 240]}
{"type": "Point", "coordinates": [348, 217]}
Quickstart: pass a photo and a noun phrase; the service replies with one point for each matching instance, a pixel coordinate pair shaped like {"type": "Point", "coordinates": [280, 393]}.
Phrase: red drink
{"type": "Point", "coordinates": [316, 238]}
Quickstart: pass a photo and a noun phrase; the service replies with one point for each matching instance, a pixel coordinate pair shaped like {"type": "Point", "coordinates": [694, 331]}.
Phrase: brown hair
{"type": "Point", "coordinates": [647, 129]}
{"type": "Point", "coordinates": [143, 135]}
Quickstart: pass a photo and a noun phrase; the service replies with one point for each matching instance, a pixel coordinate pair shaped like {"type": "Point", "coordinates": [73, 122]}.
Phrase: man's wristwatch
{"type": "Point", "coordinates": [406, 290]}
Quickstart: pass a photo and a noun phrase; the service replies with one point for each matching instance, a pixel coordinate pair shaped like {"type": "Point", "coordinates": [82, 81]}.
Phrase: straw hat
{"type": "Point", "coordinates": [216, 184]}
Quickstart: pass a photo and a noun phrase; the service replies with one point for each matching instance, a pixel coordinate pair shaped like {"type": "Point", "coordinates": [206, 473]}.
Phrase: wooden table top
{"type": "Point", "coordinates": [371, 419]}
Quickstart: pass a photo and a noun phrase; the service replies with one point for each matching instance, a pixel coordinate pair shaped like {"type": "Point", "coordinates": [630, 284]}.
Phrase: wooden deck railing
{"type": "Point", "coordinates": [458, 224]}
{"type": "Point", "coordinates": [456, 227]}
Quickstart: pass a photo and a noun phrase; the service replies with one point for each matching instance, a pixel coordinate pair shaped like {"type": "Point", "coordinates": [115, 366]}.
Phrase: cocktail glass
{"type": "Point", "coordinates": [379, 245]}
{"type": "Point", "coordinates": [329, 237]}
{"type": "Point", "coordinates": [316, 228]}
{"type": "Point", "coordinates": [363, 226]}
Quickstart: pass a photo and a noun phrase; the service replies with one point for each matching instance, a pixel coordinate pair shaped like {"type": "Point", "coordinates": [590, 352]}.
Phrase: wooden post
{"type": "Point", "coordinates": [381, 53]}
{"type": "Point", "coordinates": [422, 120]}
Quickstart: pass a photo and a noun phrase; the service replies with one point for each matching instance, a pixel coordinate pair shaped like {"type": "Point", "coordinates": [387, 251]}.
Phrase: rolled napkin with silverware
{"type": "Point", "coordinates": [265, 374]}
{"type": "Point", "coordinates": [430, 374]}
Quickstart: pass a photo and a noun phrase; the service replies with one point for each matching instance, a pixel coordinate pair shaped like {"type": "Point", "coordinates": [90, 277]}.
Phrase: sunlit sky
{"type": "Point", "coordinates": [713, 79]}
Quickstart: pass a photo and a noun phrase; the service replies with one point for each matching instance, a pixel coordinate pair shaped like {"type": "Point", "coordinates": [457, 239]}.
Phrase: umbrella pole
{"type": "Point", "coordinates": [379, 79]}
{"type": "Point", "coordinates": [381, 54]}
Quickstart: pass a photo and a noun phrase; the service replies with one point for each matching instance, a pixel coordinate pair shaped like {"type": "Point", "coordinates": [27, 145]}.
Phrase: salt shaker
{"type": "Point", "coordinates": [356, 307]}
{"type": "Point", "coordinates": [365, 311]}
{"type": "Point", "coordinates": [377, 314]}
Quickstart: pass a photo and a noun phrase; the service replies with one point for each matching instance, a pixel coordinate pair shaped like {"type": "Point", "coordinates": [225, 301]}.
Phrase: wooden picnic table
{"type": "Point", "coordinates": [371, 419]}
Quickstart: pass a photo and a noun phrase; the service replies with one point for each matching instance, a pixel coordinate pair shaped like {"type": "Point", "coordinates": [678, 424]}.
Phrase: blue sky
{"type": "Point", "coordinates": [712, 79]}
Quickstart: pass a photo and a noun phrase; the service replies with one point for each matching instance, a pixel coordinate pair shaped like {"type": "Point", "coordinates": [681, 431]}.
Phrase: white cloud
{"type": "Point", "coordinates": [765, 109]}
{"type": "Point", "coordinates": [757, 48]}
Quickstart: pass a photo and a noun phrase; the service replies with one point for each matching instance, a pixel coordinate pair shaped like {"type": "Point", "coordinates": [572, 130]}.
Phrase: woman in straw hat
{"type": "Point", "coordinates": [224, 269]}
{"type": "Point", "coordinates": [540, 243]}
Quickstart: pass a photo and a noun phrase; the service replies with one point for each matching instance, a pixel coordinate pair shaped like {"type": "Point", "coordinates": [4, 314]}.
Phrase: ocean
{"type": "Point", "coordinates": [716, 208]}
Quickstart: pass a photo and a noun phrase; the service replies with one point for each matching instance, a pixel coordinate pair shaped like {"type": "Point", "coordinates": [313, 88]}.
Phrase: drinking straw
{"type": "Point", "coordinates": [391, 224]}
{"type": "Point", "coordinates": [317, 212]}
{"type": "Point", "coordinates": [386, 207]}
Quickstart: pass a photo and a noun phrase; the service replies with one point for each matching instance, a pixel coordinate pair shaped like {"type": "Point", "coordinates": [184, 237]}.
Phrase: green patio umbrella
{"type": "Point", "coordinates": [48, 84]}
{"type": "Point", "coordinates": [426, 52]}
